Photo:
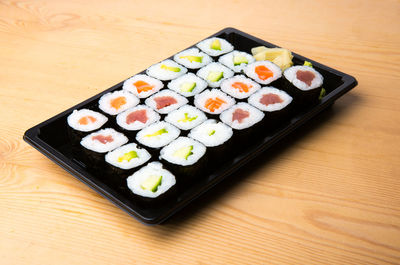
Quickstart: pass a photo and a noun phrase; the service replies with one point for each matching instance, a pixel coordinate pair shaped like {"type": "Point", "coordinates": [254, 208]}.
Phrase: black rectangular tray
{"type": "Point", "coordinates": [50, 138]}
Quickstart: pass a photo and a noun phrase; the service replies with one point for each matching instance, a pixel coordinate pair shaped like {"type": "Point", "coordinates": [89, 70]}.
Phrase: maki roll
{"type": "Point", "coordinates": [274, 102]}
{"type": "Point", "coordinates": [186, 117]}
{"type": "Point", "coordinates": [188, 85]}
{"type": "Point", "coordinates": [127, 157]}
{"type": "Point", "coordinates": [142, 86]}
{"type": "Point", "coordinates": [213, 101]}
{"type": "Point", "coordinates": [264, 72]}
{"type": "Point", "coordinates": [98, 143]}
{"type": "Point", "coordinates": [241, 116]}
{"type": "Point", "coordinates": [239, 86]}
{"type": "Point", "coordinates": [304, 83]}
{"type": "Point", "coordinates": [85, 120]}
{"type": "Point", "coordinates": [192, 58]}
{"type": "Point", "coordinates": [214, 73]}
{"type": "Point", "coordinates": [104, 140]}
{"type": "Point", "coordinates": [183, 155]}
{"type": "Point", "coordinates": [157, 134]}
{"type": "Point", "coordinates": [236, 60]}
{"type": "Point", "coordinates": [152, 182]}
{"type": "Point", "coordinates": [165, 101]}
{"type": "Point", "coordinates": [215, 46]}
{"type": "Point", "coordinates": [166, 70]}
{"type": "Point", "coordinates": [216, 137]}
{"type": "Point", "coordinates": [137, 118]}
{"type": "Point", "coordinates": [116, 102]}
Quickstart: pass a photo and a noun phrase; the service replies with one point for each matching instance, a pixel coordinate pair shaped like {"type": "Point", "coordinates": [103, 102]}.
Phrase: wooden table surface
{"type": "Point", "coordinates": [329, 194]}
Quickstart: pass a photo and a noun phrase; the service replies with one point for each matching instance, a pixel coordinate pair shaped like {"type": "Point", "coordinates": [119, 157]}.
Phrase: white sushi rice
{"type": "Point", "coordinates": [191, 64]}
{"type": "Point", "coordinates": [106, 100]}
{"type": "Point", "coordinates": [178, 83]}
{"type": "Point", "coordinates": [250, 71]}
{"type": "Point", "coordinates": [254, 117]}
{"type": "Point", "coordinates": [290, 75]}
{"type": "Point", "coordinates": [129, 85]}
{"type": "Point", "coordinates": [186, 117]}
{"type": "Point", "coordinates": [214, 67]}
{"type": "Point", "coordinates": [75, 117]}
{"type": "Point", "coordinates": [201, 99]}
{"type": "Point", "coordinates": [158, 134]}
{"type": "Point", "coordinates": [152, 101]}
{"type": "Point", "coordinates": [135, 181]}
{"type": "Point", "coordinates": [205, 46]}
{"type": "Point", "coordinates": [211, 133]}
{"type": "Point", "coordinates": [118, 139]}
{"type": "Point", "coordinates": [168, 153]}
{"type": "Point", "coordinates": [227, 60]}
{"type": "Point", "coordinates": [227, 86]}
{"type": "Point", "coordinates": [122, 118]}
{"type": "Point", "coordinates": [158, 72]}
{"type": "Point", "coordinates": [255, 99]}
{"type": "Point", "coordinates": [114, 156]}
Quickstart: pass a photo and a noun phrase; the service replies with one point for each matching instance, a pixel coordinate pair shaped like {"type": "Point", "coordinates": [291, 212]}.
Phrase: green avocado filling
{"type": "Point", "coordinates": [159, 132]}
{"type": "Point", "coordinates": [211, 132]}
{"type": "Point", "coordinates": [128, 156]}
{"type": "Point", "coordinates": [184, 152]}
{"type": "Point", "coordinates": [188, 86]}
{"type": "Point", "coordinates": [215, 76]}
{"type": "Point", "coordinates": [239, 59]}
{"type": "Point", "coordinates": [187, 118]}
{"type": "Point", "coordinates": [151, 183]}
{"type": "Point", "coordinates": [216, 45]}
{"type": "Point", "coordinates": [170, 68]}
{"type": "Point", "coordinates": [192, 58]}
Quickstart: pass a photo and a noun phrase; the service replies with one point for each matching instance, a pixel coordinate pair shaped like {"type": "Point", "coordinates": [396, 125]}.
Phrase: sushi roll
{"type": "Point", "coordinates": [182, 156]}
{"type": "Point", "coordinates": [239, 86]}
{"type": "Point", "coordinates": [213, 101]}
{"type": "Point", "coordinates": [137, 118]}
{"type": "Point", "coordinates": [274, 102]}
{"type": "Point", "coordinates": [98, 143]}
{"type": "Point", "coordinates": [166, 70]}
{"type": "Point", "coordinates": [188, 85]}
{"type": "Point", "coordinates": [165, 101]}
{"type": "Point", "coordinates": [81, 122]}
{"type": "Point", "coordinates": [142, 86]}
{"type": "Point", "coordinates": [192, 58]}
{"type": "Point", "coordinates": [104, 140]}
{"type": "Point", "coordinates": [116, 102]}
{"type": "Point", "coordinates": [157, 134]}
{"type": "Point", "coordinates": [241, 116]}
{"type": "Point", "coordinates": [152, 183]}
{"type": "Point", "coordinates": [264, 72]}
{"type": "Point", "coordinates": [216, 136]}
{"type": "Point", "coordinates": [215, 46]}
{"type": "Point", "coordinates": [215, 73]}
{"type": "Point", "coordinates": [126, 157]}
{"type": "Point", "coordinates": [304, 83]}
{"type": "Point", "coordinates": [236, 60]}
{"type": "Point", "coordinates": [186, 117]}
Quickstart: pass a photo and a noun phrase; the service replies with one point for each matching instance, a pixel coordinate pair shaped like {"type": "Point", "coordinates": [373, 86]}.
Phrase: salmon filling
{"type": "Point", "coordinates": [213, 104]}
{"type": "Point", "coordinates": [263, 72]}
{"type": "Point", "coordinates": [86, 120]}
{"type": "Point", "coordinates": [118, 102]}
{"type": "Point", "coordinates": [242, 87]}
{"type": "Point", "coordinates": [142, 86]}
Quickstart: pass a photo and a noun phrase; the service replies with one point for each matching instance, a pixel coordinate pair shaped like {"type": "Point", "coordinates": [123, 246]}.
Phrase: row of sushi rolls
{"type": "Point", "coordinates": [158, 128]}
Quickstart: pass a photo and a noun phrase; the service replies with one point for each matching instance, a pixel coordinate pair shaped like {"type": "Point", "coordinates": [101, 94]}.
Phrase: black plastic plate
{"type": "Point", "coordinates": [50, 138]}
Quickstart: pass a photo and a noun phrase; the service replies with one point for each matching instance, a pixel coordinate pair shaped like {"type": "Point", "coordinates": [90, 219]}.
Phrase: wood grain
{"type": "Point", "coordinates": [328, 195]}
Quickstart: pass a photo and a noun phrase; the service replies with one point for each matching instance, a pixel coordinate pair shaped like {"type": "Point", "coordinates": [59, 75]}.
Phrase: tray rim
{"type": "Point", "coordinates": [31, 136]}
